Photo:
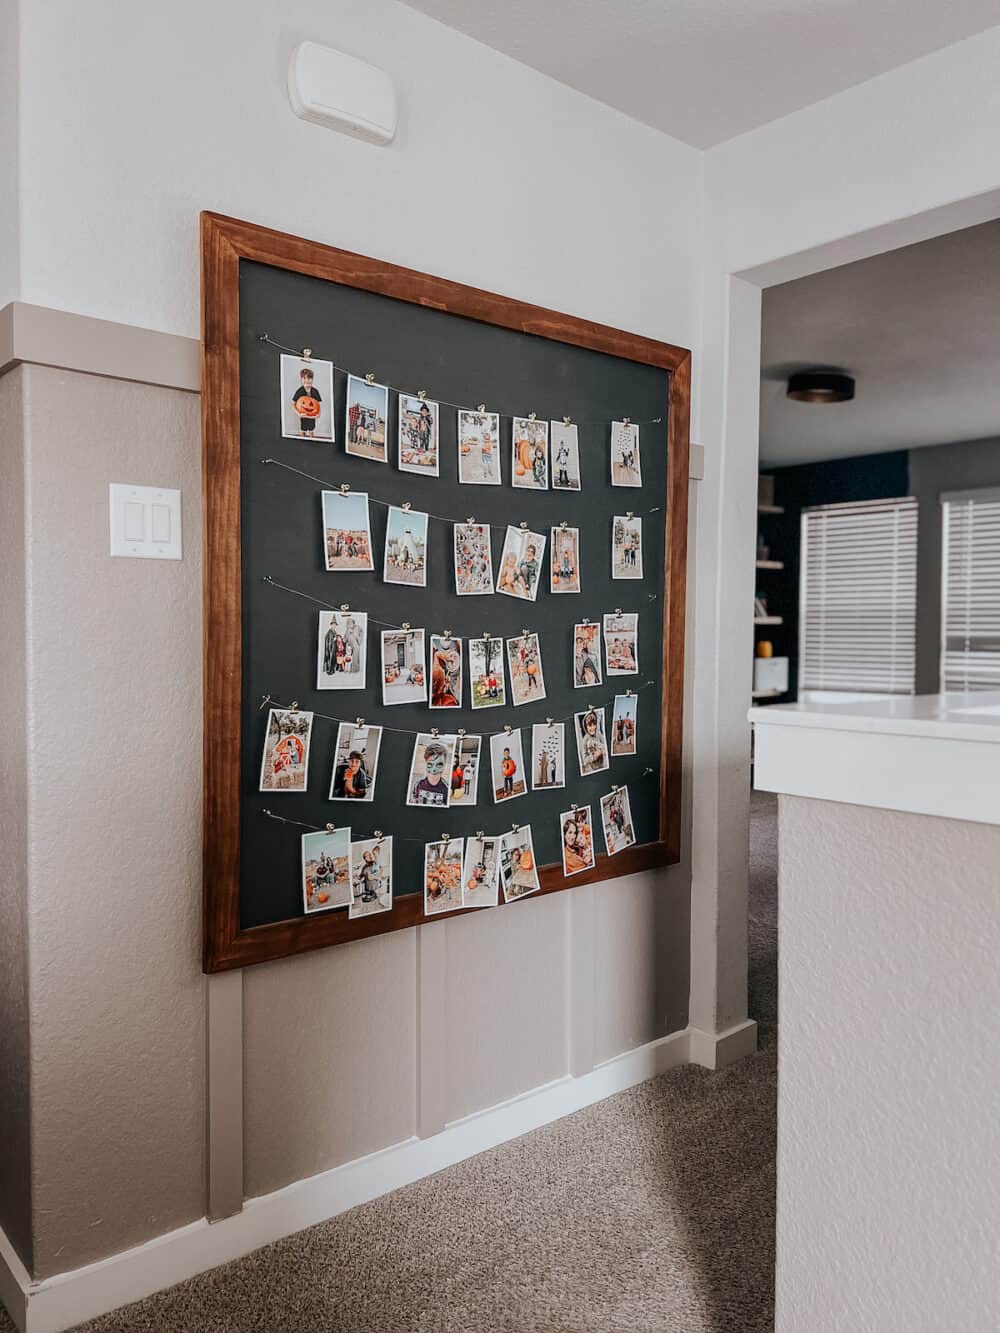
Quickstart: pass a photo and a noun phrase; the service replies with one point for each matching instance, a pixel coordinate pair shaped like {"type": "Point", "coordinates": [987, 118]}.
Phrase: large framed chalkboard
{"type": "Point", "coordinates": [266, 580]}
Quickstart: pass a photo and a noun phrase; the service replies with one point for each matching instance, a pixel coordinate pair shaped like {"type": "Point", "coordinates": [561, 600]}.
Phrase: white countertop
{"type": "Point", "coordinates": [925, 754]}
{"type": "Point", "coordinates": [974, 716]}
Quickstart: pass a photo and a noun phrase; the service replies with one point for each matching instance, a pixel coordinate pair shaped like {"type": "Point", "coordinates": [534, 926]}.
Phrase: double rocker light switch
{"type": "Point", "coordinates": [145, 522]}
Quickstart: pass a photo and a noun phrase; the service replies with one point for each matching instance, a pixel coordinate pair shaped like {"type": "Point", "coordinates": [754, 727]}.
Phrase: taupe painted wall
{"type": "Point", "coordinates": [343, 1053]}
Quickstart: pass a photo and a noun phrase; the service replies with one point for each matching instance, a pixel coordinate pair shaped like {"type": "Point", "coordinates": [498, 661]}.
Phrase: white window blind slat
{"type": "Point", "coordinates": [970, 591]}
{"type": "Point", "coordinates": [858, 594]}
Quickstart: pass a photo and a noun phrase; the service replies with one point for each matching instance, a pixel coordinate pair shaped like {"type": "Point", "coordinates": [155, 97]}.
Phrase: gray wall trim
{"type": "Point", "coordinates": [41, 336]}
{"type": "Point", "coordinates": [224, 993]}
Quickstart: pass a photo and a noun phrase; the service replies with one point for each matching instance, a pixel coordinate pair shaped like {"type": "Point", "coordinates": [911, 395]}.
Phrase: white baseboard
{"type": "Point", "coordinates": [59, 1302]}
{"type": "Point", "coordinates": [715, 1050]}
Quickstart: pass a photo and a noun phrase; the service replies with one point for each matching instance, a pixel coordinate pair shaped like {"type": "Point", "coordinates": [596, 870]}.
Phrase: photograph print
{"type": "Point", "coordinates": [480, 873]}
{"type": "Point", "coordinates": [429, 783]}
{"type": "Point", "coordinates": [616, 820]}
{"type": "Point", "coordinates": [621, 643]}
{"type": "Point", "coordinates": [577, 839]}
{"type": "Point", "coordinates": [306, 399]}
{"type": "Point", "coordinates": [486, 673]}
{"type": "Point", "coordinates": [443, 875]}
{"type": "Point", "coordinates": [587, 654]}
{"type": "Point", "coordinates": [347, 533]}
{"type": "Point", "coordinates": [524, 661]}
{"type": "Point", "coordinates": [446, 671]}
{"type": "Point", "coordinates": [529, 463]}
{"type": "Point", "coordinates": [591, 742]}
{"type": "Point", "coordinates": [473, 559]}
{"type": "Point", "coordinates": [478, 448]}
{"type": "Point", "coordinates": [355, 762]}
{"type": "Point", "coordinates": [326, 870]}
{"type": "Point", "coordinates": [366, 415]}
{"type": "Point", "coordinates": [371, 877]}
{"type": "Point", "coordinates": [404, 676]}
{"type": "Point", "coordinates": [626, 469]}
{"type": "Point", "coordinates": [405, 558]}
{"type": "Point", "coordinates": [418, 435]}
{"type": "Point", "coordinates": [465, 770]}
{"type": "Point", "coordinates": [342, 652]}
{"type": "Point", "coordinates": [507, 766]}
{"type": "Point", "coordinates": [564, 560]}
{"type": "Point", "coordinates": [548, 755]}
{"type": "Point", "coordinates": [284, 765]}
{"type": "Point", "coordinates": [521, 563]}
{"type": "Point", "coordinates": [518, 872]}
{"type": "Point", "coordinates": [565, 457]}
{"type": "Point", "coordinates": [624, 725]}
{"type": "Point", "coordinates": [626, 547]}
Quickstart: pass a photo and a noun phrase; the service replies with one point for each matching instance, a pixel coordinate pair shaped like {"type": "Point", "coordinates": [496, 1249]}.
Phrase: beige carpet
{"type": "Point", "coordinates": [652, 1212]}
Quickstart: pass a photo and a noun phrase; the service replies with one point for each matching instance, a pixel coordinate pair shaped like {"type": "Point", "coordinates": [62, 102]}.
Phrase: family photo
{"type": "Point", "coordinates": [355, 763]}
{"type": "Point", "coordinates": [446, 671]}
{"type": "Point", "coordinates": [616, 819]}
{"type": "Point", "coordinates": [521, 563]}
{"type": "Point", "coordinates": [587, 654]}
{"type": "Point", "coordinates": [343, 650]}
{"type": "Point", "coordinates": [473, 559]}
{"type": "Point", "coordinates": [486, 673]}
{"type": "Point", "coordinates": [347, 536]}
{"type": "Point", "coordinates": [478, 448]}
{"type": "Point", "coordinates": [529, 465]}
{"type": "Point", "coordinates": [326, 870]}
{"type": "Point", "coordinates": [624, 732]}
{"type": "Point", "coordinates": [465, 770]}
{"type": "Point", "coordinates": [591, 742]}
{"type": "Point", "coordinates": [621, 643]}
{"type": "Point", "coordinates": [518, 872]}
{"type": "Point", "coordinates": [371, 877]}
{"type": "Point", "coordinates": [626, 469]}
{"type": "Point", "coordinates": [285, 762]}
{"type": "Point", "coordinates": [548, 755]}
{"type": "Point", "coordinates": [577, 840]}
{"type": "Point", "coordinates": [564, 560]}
{"type": "Point", "coordinates": [480, 872]}
{"type": "Point", "coordinates": [626, 547]}
{"type": "Point", "coordinates": [565, 457]}
{"type": "Point", "coordinates": [443, 876]}
{"type": "Point", "coordinates": [429, 782]}
{"type": "Point", "coordinates": [524, 660]}
{"type": "Point", "coordinates": [405, 558]}
{"type": "Point", "coordinates": [366, 412]}
{"type": "Point", "coordinates": [306, 399]}
{"type": "Point", "coordinates": [404, 676]}
{"type": "Point", "coordinates": [418, 435]}
{"type": "Point", "coordinates": [507, 766]}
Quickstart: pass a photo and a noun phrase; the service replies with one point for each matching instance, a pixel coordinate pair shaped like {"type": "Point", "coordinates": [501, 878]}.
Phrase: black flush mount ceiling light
{"type": "Point", "coordinates": [820, 386]}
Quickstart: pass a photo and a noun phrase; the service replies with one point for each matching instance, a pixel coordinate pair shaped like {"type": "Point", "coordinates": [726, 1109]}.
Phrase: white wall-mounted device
{"type": "Point", "coordinates": [145, 521]}
{"type": "Point", "coordinates": [341, 92]}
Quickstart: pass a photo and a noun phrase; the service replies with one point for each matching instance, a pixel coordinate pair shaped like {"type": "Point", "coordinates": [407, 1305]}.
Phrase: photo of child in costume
{"type": "Point", "coordinates": [306, 399]}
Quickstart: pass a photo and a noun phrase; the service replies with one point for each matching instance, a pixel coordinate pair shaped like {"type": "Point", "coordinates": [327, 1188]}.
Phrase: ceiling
{"type": "Point", "coordinates": [707, 70]}
{"type": "Point", "coordinates": [919, 328]}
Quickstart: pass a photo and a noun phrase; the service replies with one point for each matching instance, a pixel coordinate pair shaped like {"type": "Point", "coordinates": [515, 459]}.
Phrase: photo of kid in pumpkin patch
{"type": "Point", "coordinates": [306, 399]}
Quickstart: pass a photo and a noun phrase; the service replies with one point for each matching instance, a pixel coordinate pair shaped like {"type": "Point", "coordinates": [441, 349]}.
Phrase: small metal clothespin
{"type": "Point", "coordinates": [563, 525]}
{"type": "Point", "coordinates": [616, 789]}
{"type": "Point", "coordinates": [345, 488]}
{"type": "Point", "coordinates": [307, 353]}
{"type": "Point", "coordinates": [345, 606]}
{"type": "Point", "coordinates": [486, 636]}
{"type": "Point", "coordinates": [647, 771]}
{"type": "Point", "coordinates": [434, 732]}
{"type": "Point", "coordinates": [575, 807]}
{"type": "Point", "coordinates": [471, 519]}
{"type": "Point", "coordinates": [548, 722]}
{"type": "Point", "coordinates": [524, 633]}
{"type": "Point", "coordinates": [481, 407]}
{"type": "Point", "coordinates": [359, 722]}
{"type": "Point", "coordinates": [405, 625]}
{"type": "Point", "coordinates": [446, 838]}
{"type": "Point", "coordinates": [480, 834]}
{"type": "Point", "coordinates": [515, 828]}
{"type": "Point", "coordinates": [422, 394]}
{"type": "Point", "coordinates": [294, 706]}
{"type": "Point", "coordinates": [627, 421]}
{"type": "Point", "coordinates": [407, 506]}
{"type": "Point", "coordinates": [523, 527]}
{"type": "Point", "coordinates": [446, 634]}
{"type": "Point", "coordinates": [618, 610]}
{"type": "Point", "coordinates": [507, 728]}
{"type": "Point", "coordinates": [460, 732]}
{"type": "Point", "coordinates": [629, 513]}
{"type": "Point", "coordinates": [567, 421]}
{"type": "Point", "coordinates": [532, 416]}
{"type": "Point", "coordinates": [378, 835]}
{"type": "Point", "coordinates": [331, 828]}
{"type": "Point", "coordinates": [628, 694]}
{"type": "Point", "coordinates": [370, 377]}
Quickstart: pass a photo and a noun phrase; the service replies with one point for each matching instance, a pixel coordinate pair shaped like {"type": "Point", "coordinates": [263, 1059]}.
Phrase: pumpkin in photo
{"type": "Point", "coordinates": [527, 861]}
{"type": "Point", "coordinates": [308, 407]}
{"type": "Point", "coordinates": [322, 897]}
{"type": "Point", "coordinates": [765, 648]}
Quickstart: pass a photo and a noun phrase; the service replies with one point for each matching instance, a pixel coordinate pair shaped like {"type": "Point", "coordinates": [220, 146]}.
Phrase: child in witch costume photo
{"type": "Point", "coordinates": [307, 402]}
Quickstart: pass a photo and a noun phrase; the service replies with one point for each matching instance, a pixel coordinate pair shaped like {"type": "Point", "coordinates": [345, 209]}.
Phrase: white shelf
{"type": "Point", "coordinates": [770, 564]}
{"type": "Point", "coordinates": [770, 509]}
{"type": "Point", "coordinates": [767, 694]}
{"type": "Point", "coordinates": [768, 620]}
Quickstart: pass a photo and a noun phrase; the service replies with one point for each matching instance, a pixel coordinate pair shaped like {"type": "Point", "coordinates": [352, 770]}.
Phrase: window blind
{"type": "Point", "coordinates": [970, 591]}
{"type": "Point", "coordinates": [857, 593]}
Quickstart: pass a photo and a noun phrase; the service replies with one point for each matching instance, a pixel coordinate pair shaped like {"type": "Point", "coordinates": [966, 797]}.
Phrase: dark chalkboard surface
{"type": "Point", "coordinates": [458, 360]}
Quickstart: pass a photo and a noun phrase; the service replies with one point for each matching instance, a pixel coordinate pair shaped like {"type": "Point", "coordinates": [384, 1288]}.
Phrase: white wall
{"type": "Point", "coordinates": [9, 119]}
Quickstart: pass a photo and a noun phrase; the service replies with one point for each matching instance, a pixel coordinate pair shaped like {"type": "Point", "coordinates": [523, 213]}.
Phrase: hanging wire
{"type": "Point", "coordinates": [324, 828]}
{"type": "Point", "coordinates": [336, 488]}
{"type": "Point", "coordinates": [462, 407]}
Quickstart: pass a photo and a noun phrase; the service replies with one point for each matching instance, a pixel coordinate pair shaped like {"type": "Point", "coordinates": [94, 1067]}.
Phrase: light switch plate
{"type": "Point", "coordinates": [145, 522]}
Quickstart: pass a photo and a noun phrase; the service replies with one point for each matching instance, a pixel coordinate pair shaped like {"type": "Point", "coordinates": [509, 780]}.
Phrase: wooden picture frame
{"type": "Point", "coordinates": [224, 243]}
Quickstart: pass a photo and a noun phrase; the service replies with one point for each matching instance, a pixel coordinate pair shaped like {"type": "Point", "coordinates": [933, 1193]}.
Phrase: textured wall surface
{"type": "Point", "coordinates": [887, 1105]}
{"type": "Point", "coordinates": [15, 1125]}
{"type": "Point", "coordinates": [113, 843]}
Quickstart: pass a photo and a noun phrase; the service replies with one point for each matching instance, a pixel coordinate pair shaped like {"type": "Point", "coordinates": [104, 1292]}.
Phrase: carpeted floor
{"type": "Point", "coordinates": [651, 1212]}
